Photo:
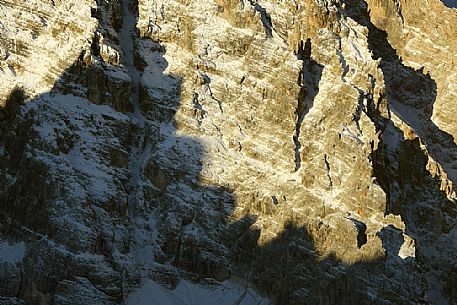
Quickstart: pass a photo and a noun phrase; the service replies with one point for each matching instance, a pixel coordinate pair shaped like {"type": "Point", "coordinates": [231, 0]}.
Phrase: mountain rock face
{"type": "Point", "coordinates": [228, 152]}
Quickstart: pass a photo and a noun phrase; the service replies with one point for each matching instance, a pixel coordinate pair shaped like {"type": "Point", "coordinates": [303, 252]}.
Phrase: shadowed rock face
{"type": "Point", "coordinates": [450, 3]}
{"type": "Point", "coordinates": [258, 152]}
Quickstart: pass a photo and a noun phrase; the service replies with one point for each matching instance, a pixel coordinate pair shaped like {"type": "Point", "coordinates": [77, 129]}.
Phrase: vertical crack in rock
{"type": "Point", "coordinates": [308, 80]}
{"type": "Point", "coordinates": [21, 283]}
{"type": "Point", "coordinates": [398, 10]}
{"type": "Point", "coordinates": [327, 166]}
{"type": "Point", "coordinates": [219, 102]}
{"type": "Point", "coordinates": [265, 17]}
{"type": "Point", "coordinates": [207, 85]}
{"type": "Point", "coordinates": [365, 99]}
{"type": "Point", "coordinates": [127, 36]}
{"type": "Point", "coordinates": [199, 112]}
{"type": "Point", "coordinates": [361, 232]}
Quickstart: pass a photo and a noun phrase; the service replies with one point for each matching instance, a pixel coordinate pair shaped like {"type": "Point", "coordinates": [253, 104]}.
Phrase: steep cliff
{"type": "Point", "coordinates": [228, 152]}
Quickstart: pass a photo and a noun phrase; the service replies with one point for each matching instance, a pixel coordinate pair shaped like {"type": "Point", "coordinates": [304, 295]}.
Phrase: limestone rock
{"type": "Point", "coordinates": [243, 152]}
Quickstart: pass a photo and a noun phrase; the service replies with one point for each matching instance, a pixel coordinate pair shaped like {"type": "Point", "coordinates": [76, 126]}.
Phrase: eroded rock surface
{"type": "Point", "coordinates": [244, 152]}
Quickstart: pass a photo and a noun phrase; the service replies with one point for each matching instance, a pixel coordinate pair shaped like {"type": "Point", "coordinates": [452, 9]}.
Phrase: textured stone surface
{"type": "Point", "coordinates": [302, 149]}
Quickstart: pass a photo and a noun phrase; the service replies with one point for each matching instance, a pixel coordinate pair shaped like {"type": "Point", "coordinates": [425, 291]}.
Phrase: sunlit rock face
{"type": "Point", "coordinates": [228, 152]}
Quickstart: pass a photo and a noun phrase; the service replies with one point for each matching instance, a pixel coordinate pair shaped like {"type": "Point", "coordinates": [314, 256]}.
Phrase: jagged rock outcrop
{"type": "Point", "coordinates": [250, 152]}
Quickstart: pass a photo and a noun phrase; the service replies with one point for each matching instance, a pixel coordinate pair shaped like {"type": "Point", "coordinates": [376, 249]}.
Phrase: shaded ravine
{"type": "Point", "coordinates": [142, 152]}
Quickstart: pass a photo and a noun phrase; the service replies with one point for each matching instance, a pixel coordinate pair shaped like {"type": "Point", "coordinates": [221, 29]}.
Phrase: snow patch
{"type": "Point", "coordinates": [187, 293]}
{"type": "Point", "coordinates": [12, 253]}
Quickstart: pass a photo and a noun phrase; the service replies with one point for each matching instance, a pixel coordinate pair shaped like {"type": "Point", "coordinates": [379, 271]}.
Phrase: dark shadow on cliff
{"type": "Point", "coordinates": [289, 270]}
{"type": "Point", "coordinates": [33, 198]}
{"type": "Point", "coordinates": [401, 166]}
{"type": "Point", "coordinates": [191, 216]}
{"type": "Point", "coordinates": [450, 3]}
